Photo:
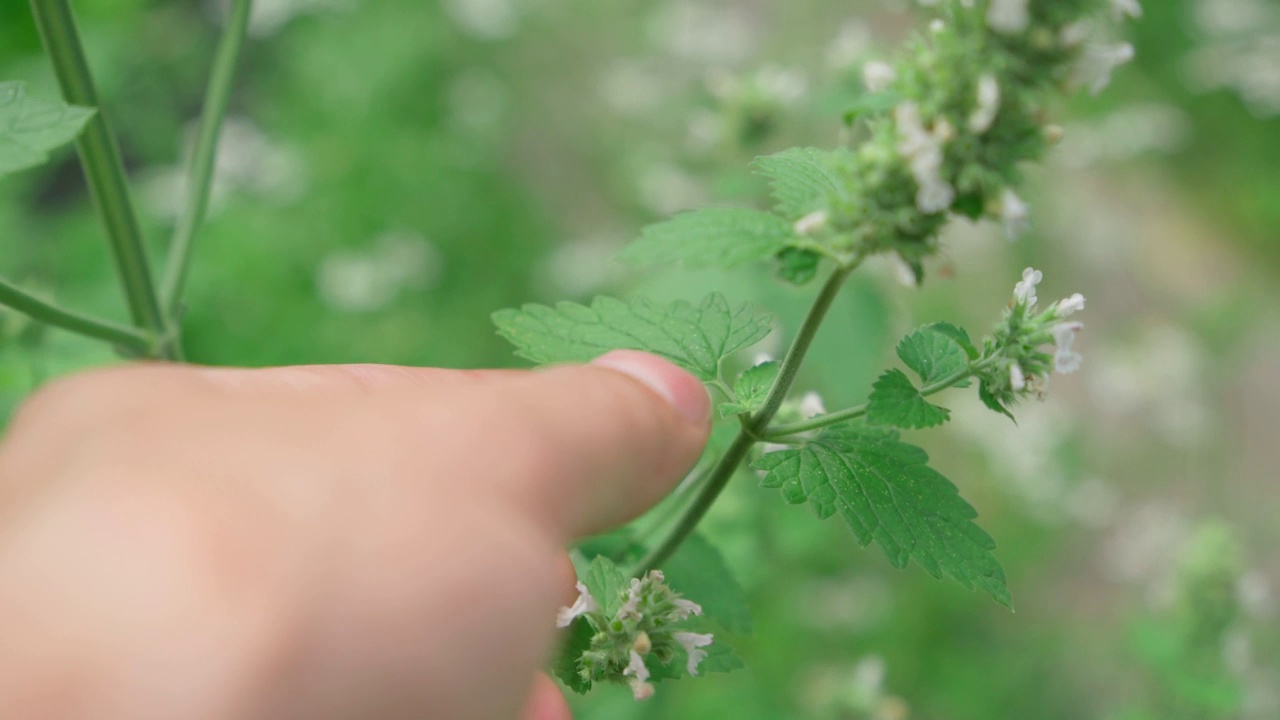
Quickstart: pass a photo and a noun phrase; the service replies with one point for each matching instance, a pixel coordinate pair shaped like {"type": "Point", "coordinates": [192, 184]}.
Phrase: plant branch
{"type": "Point", "coordinates": [103, 168]}
{"type": "Point", "coordinates": [779, 432]}
{"type": "Point", "coordinates": [204, 159]}
{"type": "Point", "coordinates": [46, 312]}
{"type": "Point", "coordinates": [723, 471]}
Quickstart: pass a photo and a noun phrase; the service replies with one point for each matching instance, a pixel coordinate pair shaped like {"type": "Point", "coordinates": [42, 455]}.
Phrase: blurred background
{"type": "Point", "coordinates": [395, 171]}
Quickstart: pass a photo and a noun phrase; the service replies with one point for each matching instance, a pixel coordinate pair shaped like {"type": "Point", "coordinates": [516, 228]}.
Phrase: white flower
{"type": "Point", "coordinates": [1070, 306]}
{"type": "Point", "coordinates": [1009, 16]}
{"type": "Point", "coordinates": [1098, 63]}
{"type": "Point", "coordinates": [1015, 214]}
{"type": "Point", "coordinates": [813, 222]}
{"type": "Point", "coordinates": [684, 609]}
{"type": "Point", "coordinates": [583, 605]}
{"type": "Point", "coordinates": [1064, 335]}
{"type": "Point", "coordinates": [638, 673]}
{"type": "Point", "coordinates": [811, 405]}
{"type": "Point", "coordinates": [691, 642]}
{"type": "Point", "coordinates": [631, 608]}
{"type": "Point", "coordinates": [988, 104]}
{"type": "Point", "coordinates": [1025, 291]}
{"type": "Point", "coordinates": [877, 76]}
{"type": "Point", "coordinates": [1127, 8]}
{"type": "Point", "coordinates": [923, 152]}
{"type": "Point", "coordinates": [1017, 378]}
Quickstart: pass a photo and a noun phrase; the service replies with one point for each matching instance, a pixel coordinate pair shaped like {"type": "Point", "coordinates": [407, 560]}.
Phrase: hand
{"type": "Point", "coordinates": [317, 542]}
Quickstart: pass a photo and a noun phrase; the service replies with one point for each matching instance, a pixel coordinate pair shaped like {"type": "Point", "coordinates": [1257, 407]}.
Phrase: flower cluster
{"type": "Point", "coordinates": [949, 124]}
{"type": "Point", "coordinates": [1016, 362]}
{"type": "Point", "coordinates": [645, 623]}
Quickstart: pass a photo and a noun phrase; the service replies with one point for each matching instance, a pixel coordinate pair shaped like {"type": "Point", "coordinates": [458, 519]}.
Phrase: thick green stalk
{"type": "Point", "coordinates": [103, 168]}
{"type": "Point", "coordinates": [204, 160]}
{"type": "Point", "coordinates": [752, 429]}
{"type": "Point", "coordinates": [124, 336]}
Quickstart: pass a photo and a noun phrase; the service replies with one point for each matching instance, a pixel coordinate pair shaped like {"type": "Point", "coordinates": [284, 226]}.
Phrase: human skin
{"type": "Point", "coordinates": [317, 542]}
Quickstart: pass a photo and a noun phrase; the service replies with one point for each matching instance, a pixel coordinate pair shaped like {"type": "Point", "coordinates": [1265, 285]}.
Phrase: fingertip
{"type": "Point", "coordinates": [681, 390]}
{"type": "Point", "coordinates": [546, 702]}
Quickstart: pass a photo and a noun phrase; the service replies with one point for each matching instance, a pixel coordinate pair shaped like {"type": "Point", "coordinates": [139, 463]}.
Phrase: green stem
{"type": "Point", "coordinates": [44, 311]}
{"type": "Point", "coordinates": [780, 432]}
{"type": "Point", "coordinates": [103, 168]}
{"type": "Point", "coordinates": [204, 159]}
{"type": "Point", "coordinates": [723, 471]}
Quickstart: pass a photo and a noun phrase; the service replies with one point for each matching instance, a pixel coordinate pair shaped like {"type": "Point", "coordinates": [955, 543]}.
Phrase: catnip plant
{"type": "Point", "coordinates": [940, 132]}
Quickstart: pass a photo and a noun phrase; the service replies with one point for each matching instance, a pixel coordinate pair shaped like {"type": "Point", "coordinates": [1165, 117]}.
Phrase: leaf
{"type": "Point", "coordinates": [991, 401]}
{"type": "Point", "coordinates": [871, 103]}
{"type": "Point", "coordinates": [721, 658]}
{"type": "Point", "coordinates": [31, 127]}
{"type": "Point", "coordinates": [566, 667]}
{"type": "Point", "coordinates": [933, 354]}
{"type": "Point", "coordinates": [886, 493]}
{"type": "Point", "coordinates": [752, 389]}
{"type": "Point", "coordinates": [895, 401]}
{"type": "Point", "coordinates": [959, 335]}
{"type": "Point", "coordinates": [606, 582]}
{"type": "Point", "coordinates": [714, 237]}
{"type": "Point", "coordinates": [798, 267]}
{"type": "Point", "coordinates": [698, 572]}
{"type": "Point", "coordinates": [802, 178]}
{"type": "Point", "coordinates": [696, 338]}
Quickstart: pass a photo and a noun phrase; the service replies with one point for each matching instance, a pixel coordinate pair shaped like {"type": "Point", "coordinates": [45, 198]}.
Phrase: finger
{"type": "Point", "coordinates": [545, 702]}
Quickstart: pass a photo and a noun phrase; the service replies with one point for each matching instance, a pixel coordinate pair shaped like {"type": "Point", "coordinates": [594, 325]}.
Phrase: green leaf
{"type": "Point", "coordinates": [896, 401]}
{"type": "Point", "coordinates": [959, 335]}
{"type": "Point", "coordinates": [798, 267]}
{"type": "Point", "coordinates": [871, 103]}
{"type": "Point", "coordinates": [714, 237]}
{"type": "Point", "coordinates": [606, 582]}
{"type": "Point", "coordinates": [698, 572]}
{"type": "Point", "coordinates": [991, 401]}
{"type": "Point", "coordinates": [695, 337]}
{"type": "Point", "coordinates": [886, 493]}
{"type": "Point", "coordinates": [31, 127]}
{"type": "Point", "coordinates": [752, 389]}
{"type": "Point", "coordinates": [567, 665]}
{"type": "Point", "coordinates": [803, 179]}
{"type": "Point", "coordinates": [721, 658]}
{"type": "Point", "coordinates": [933, 354]}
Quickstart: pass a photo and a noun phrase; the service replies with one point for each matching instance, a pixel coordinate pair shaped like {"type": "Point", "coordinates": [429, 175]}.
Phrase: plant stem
{"type": "Point", "coordinates": [204, 159]}
{"type": "Point", "coordinates": [44, 311]}
{"type": "Point", "coordinates": [752, 429]}
{"type": "Point", "coordinates": [779, 432]}
{"type": "Point", "coordinates": [103, 169]}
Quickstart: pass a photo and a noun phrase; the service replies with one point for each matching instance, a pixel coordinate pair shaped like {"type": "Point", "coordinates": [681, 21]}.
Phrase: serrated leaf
{"type": "Point", "coordinates": [713, 237]}
{"type": "Point", "coordinates": [698, 572]}
{"type": "Point", "coordinates": [696, 337]}
{"type": "Point", "coordinates": [752, 389]}
{"type": "Point", "coordinates": [959, 335]}
{"type": "Point", "coordinates": [934, 355]}
{"type": "Point", "coordinates": [896, 401]}
{"type": "Point", "coordinates": [887, 494]}
{"type": "Point", "coordinates": [802, 178]}
{"type": "Point", "coordinates": [567, 665]}
{"type": "Point", "coordinates": [31, 127]}
{"type": "Point", "coordinates": [606, 582]}
{"type": "Point", "coordinates": [798, 267]}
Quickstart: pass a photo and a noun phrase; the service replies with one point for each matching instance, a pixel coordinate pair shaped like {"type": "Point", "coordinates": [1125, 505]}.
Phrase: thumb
{"type": "Point", "coordinates": [613, 437]}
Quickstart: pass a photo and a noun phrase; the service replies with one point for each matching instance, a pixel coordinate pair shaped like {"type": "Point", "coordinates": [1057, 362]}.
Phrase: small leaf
{"type": "Point", "coordinates": [991, 401]}
{"type": "Point", "coordinates": [972, 206]}
{"type": "Point", "coordinates": [695, 337]}
{"type": "Point", "coordinates": [567, 665]}
{"type": "Point", "coordinates": [752, 389]}
{"type": "Point", "coordinates": [895, 401]}
{"type": "Point", "coordinates": [698, 572]}
{"type": "Point", "coordinates": [959, 335]}
{"type": "Point", "coordinates": [886, 493]}
{"type": "Point", "coordinates": [606, 582]}
{"type": "Point", "coordinates": [933, 354]}
{"type": "Point", "coordinates": [714, 237]}
{"type": "Point", "coordinates": [31, 127]}
{"type": "Point", "coordinates": [798, 267]}
{"type": "Point", "coordinates": [803, 179]}
{"type": "Point", "coordinates": [872, 103]}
